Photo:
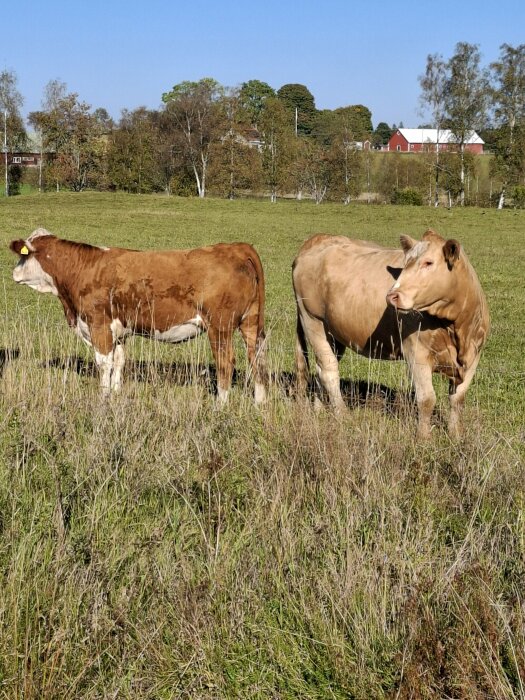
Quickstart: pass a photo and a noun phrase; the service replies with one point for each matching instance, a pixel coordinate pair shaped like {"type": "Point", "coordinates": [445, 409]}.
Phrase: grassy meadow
{"type": "Point", "coordinates": [157, 546]}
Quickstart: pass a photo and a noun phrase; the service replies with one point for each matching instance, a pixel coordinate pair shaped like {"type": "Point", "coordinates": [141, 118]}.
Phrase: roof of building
{"type": "Point", "coordinates": [431, 136]}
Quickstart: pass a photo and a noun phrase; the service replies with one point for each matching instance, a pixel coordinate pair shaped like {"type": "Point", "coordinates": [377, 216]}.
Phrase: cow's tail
{"type": "Point", "coordinates": [260, 369]}
{"type": "Point", "coordinates": [301, 357]}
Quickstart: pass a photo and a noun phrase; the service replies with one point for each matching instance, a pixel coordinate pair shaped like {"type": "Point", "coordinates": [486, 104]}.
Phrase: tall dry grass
{"type": "Point", "coordinates": [156, 546]}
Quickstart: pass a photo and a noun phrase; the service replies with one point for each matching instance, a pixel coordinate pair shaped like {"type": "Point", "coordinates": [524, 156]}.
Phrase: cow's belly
{"type": "Point", "coordinates": [376, 348]}
{"type": "Point", "coordinates": [172, 334]}
{"type": "Point", "coordinates": [369, 336]}
{"type": "Point", "coordinates": [180, 332]}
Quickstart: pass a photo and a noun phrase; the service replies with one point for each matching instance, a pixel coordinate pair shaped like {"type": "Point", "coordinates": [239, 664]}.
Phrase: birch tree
{"type": "Point", "coordinates": [234, 164]}
{"type": "Point", "coordinates": [278, 139]}
{"type": "Point", "coordinates": [466, 99]}
{"type": "Point", "coordinates": [509, 111]}
{"type": "Point", "coordinates": [14, 135]}
{"type": "Point", "coordinates": [433, 95]}
{"type": "Point", "coordinates": [194, 107]}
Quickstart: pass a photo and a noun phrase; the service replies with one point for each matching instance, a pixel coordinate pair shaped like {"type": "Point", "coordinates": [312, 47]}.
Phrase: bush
{"type": "Point", "coordinates": [407, 195]}
{"type": "Point", "coordinates": [518, 196]}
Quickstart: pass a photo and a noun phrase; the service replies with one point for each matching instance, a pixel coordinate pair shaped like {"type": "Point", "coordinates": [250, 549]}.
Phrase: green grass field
{"type": "Point", "coordinates": [155, 546]}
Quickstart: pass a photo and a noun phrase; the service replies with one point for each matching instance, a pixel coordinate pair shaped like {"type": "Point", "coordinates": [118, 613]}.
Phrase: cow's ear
{"type": "Point", "coordinates": [407, 243]}
{"type": "Point", "coordinates": [20, 247]}
{"type": "Point", "coordinates": [451, 251]}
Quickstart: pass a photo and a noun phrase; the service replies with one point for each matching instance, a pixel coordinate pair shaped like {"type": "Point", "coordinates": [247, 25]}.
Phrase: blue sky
{"type": "Point", "coordinates": [123, 53]}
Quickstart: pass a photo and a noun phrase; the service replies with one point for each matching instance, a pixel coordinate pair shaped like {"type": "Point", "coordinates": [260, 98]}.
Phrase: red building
{"type": "Point", "coordinates": [28, 160]}
{"type": "Point", "coordinates": [31, 157]}
{"type": "Point", "coordinates": [416, 140]}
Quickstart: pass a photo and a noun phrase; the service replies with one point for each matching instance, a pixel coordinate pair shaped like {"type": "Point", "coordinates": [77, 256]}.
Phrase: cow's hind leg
{"type": "Point", "coordinates": [221, 342]}
{"type": "Point", "coordinates": [256, 349]}
{"type": "Point", "coordinates": [327, 354]}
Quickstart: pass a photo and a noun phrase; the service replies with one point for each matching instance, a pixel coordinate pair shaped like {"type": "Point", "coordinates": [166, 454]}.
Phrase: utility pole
{"type": "Point", "coordinates": [5, 154]}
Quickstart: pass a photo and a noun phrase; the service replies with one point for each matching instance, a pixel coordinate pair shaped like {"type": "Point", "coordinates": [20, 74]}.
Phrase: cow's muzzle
{"type": "Point", "coordinates": [392, 298]}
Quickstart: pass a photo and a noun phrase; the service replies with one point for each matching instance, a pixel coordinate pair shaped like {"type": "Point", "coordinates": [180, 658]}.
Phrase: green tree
{"type": "Point", "coordinates": [382, 134]}
{"type": "Point", "coordinates": [346, 157]}
{"type": "Point", "coordinates": [173, 170]}
{"type": "Point", "coordinates": [347, 165]}
{"type": "Point", "coordinates": [14, 134]}
{"type": "Point", "coordinates": [324, 126]}
{"type": "Point", "coordinates": [252, 96]}
{"type": "Point", "coordinates": [354, 119]}
{"type": "Point", "coordinates": [195, 110]}
{"type": "Point", "coordinates": [103, 120]}
{"type": "Point", "coordinates": [300, 103]}
{"type": "Point", "coordinates": [70, 136]}
{"type": "Point", "coordinates": [509, 111]}
{"type": "Point", "coordinates": [134, 162]}
{"type": "Point", "coordinates": [234, 165]}
{"type": "Point", "coordinates": [466, 99]}
{"type": "Point", "coordinates": [433, 97]}
{"type": "Point", "coordinates": [278, 145]}
{"type": "Point", "coordinates": [358, 120]}
{"type": "Point", "coordinates": [318, 170]}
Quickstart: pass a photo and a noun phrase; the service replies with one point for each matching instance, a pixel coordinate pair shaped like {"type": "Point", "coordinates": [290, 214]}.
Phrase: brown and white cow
{"type": "Point", "coordinates": [423, 303]}
{"type": "Point", "coordinates": [173, 295]}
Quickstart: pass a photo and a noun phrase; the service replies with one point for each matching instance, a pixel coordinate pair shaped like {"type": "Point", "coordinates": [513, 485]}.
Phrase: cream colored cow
{"type": "Point", "coordinates": [423, 303]}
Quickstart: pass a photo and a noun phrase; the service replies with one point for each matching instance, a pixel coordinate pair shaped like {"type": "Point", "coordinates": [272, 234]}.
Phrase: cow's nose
{"type": "Point", "coordinates": [392, 298]}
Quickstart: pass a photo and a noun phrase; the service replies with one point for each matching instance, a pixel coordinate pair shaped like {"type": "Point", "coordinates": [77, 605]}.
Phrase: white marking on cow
{"type": "Point", "coordinates": [110, 369]}
{"type": "Point", "coordinates": [82, 330]}
{"type": "Point", "coordinates": [118, 330]}
{"type": "Point", "coordinates": [260, 393]}
{"type": "Point", "coordinates": [416, 251]}
{"type": "Point", "coordinates": [38, 233]}
{"type": "Point", "coordinates": [396, 285]}
{"type": "Point", "coordinates": [30, 272]}
{"type": "Point", "coordinates": [222, 395]}
{"type": "Point", "coordinates": [183, 331]}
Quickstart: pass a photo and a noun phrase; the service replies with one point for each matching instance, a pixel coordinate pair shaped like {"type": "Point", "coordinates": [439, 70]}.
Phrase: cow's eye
{"type": "Point", "coordinates": [427, 263]}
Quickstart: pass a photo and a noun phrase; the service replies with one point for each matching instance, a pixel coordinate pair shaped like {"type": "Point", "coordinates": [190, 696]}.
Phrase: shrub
{"type": "Point", "coordinates": [407, 195]}
{"type": "Point", "coordinates": [518, 196]}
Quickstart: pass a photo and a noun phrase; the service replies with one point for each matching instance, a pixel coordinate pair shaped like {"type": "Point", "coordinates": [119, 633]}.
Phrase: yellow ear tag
{"type": "Point", "coordinates": [24, 250]}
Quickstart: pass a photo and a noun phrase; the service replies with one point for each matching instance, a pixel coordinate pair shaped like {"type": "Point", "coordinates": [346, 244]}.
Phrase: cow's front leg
{"type": "Point", "coordinates": [425, 395]}
{"type": "Point", "coordinates": [109, 357]}
{"type": "Point", "coordinates": [457, 399]}
{"type": "Point", "coordinates": [221, 342]}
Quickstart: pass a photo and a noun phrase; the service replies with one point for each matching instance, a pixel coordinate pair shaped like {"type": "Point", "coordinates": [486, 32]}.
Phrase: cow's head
{"type": "Point", "coordinates": [427, 278]}
{"type": "Point", "coordinates": [29, 269]}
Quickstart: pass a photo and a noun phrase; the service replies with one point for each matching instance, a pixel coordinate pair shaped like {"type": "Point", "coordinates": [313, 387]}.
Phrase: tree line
{"type": "Point", "coordinates": [207, 138]}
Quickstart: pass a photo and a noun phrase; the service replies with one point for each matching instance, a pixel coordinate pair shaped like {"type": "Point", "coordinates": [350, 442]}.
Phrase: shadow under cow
{"type": "Point", "coordinates": [7, 355]}
{"type": "Point", "coordinates": [355, 393]}
{"type": "Point", "coordinates": [360, 393]}
{"type": "Point", "coordinates": [177, 373]}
